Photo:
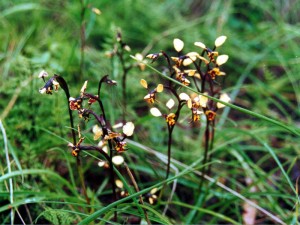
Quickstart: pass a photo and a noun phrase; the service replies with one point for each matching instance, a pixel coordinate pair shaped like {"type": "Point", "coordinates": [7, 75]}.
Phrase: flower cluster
{"type": "Point", "coordinates": [200, 69]}
{"type": "Point", "coordinates": [83, 105]}
{"type": "Point", "coordinates": [100, 131]}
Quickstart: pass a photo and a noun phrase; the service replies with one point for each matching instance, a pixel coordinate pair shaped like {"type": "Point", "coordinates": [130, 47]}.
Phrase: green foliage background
{"type": "Point", "coordinates": [262, 76]}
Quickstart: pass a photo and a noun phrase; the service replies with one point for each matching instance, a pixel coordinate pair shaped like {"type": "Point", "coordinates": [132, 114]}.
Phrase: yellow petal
{"type": "Point", "coordinates": [178, 44]}
{"type": "Point", "coordinates": [189, 103]}
{"type": "Point", "coordinates": [160, 88]}
{"type": "Point", "coordinates": [190, 72]}
{"type": "Point", "coordinates": [204, 60]}
{"type": "Point", "coordinates": [151, 56]}
{"type": "Point", "coordinates": [144, 83]}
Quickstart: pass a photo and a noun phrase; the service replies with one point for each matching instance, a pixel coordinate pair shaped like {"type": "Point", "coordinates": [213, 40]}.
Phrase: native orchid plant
{"type": "Point", "coordinates": [110, 144]}
{"type": "Point", "coordinates": [200, 70]}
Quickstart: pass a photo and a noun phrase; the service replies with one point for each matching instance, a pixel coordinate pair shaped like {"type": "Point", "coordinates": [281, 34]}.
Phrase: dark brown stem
{"type": "Point", "coordinates": [63, 84]}
{"type": "Point", "coordinates": [108, 157]}
{"type": "Point", "coordinates": [103, 79]}
{"type": "Point", "coordinates": [112, 174]}
{"type": "Point", "coordinates": [170, 131]}
{"type": "Point", "coordinates": [211, 145]}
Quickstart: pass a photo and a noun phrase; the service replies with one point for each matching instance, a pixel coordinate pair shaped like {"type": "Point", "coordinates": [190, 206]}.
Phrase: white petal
{"type": "Point", "coordinates": [139, 56]}
{"type": "Point", "coordinates": [117, 160]}
{"type": "Point", "coordinates": [96, 11]}
{"type": "Point", "coordinates": [128, 128]}
{"type": "Point", "coordinates": [225, 98]}
{"type": "Point", "coordinates": [147, 96]}
{"type": "Point", "coordinates": [101, 163]}
{"type": "Point", "coordinates": [192, 58]}
{"type": "Point", "coordinates": [101, 144]}
{"type": "Point", "coordinates": [178, 44]}
{"type": "Point", "coordinates": [193, 55]}
{"type": "Point", "coordinates": [42, 90]}
{"type": "Point", "coordinates": [82, 90]}
{"type": "Point", "coordinates": [127, 48]}
{"type": "Point", "coordinates": [97, 131]}
{"type": "Point", "coordinates": [184, 96]}
{"type": "Point", "coordinates": [43, 73]}
{"type": "Point", "coordinates": [54, 82]}
{"type": "Point", "coordinates": [119, 184]}
{"type": "Point", "coordinates": [153, 191]}
{"type": "Point", "coordinates": [187, 62]}
{"type": "Point", "coordinates": [200, 44]}
{"type": "Point", "coordinates": [220, 40]}
{"type": "Point", "coordinates": [199, 112]}
{"type": "Point", "coordinates": [118, 125]}
{"type": "Point", "coordinates": [221, 59]}
{"type": "Point", "coordinates": [105, 149]}
{"type": "Point", "coordinates": [170, 103]}
{"type": "Point", "coordinates": [155, 112]}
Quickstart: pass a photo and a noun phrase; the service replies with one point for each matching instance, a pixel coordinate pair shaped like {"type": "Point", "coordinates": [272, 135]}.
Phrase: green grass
{"type": "Point", "coordinates": [255, 158]}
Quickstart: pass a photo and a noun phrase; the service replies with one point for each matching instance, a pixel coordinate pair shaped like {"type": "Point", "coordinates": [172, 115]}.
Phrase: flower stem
{"type": "Point", "coordinates": [170, 131]}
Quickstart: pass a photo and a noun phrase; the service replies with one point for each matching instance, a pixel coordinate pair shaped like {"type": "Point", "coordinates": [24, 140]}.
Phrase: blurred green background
{"type": "Point", "coordinates": [262, 75]}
